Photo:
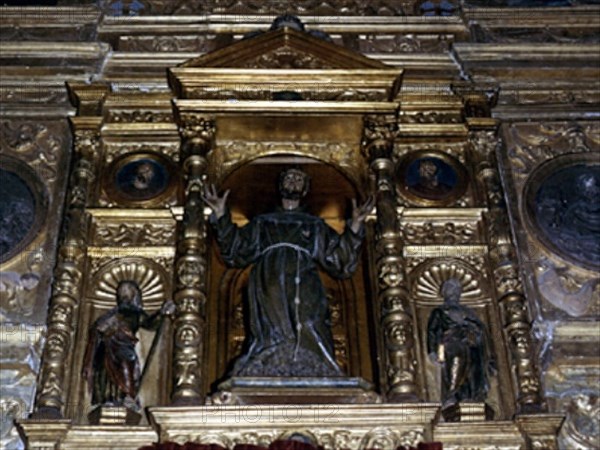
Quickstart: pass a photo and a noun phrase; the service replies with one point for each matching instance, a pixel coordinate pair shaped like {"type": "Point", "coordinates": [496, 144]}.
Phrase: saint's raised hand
{"type": "Point", "coordinates": [360, 213]}
{"type": "Point", "coordinates": [217, 203]}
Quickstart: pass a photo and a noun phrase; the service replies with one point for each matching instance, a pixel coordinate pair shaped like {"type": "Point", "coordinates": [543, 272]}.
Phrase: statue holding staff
{"type": "Point", "coordinates": [111, 365]}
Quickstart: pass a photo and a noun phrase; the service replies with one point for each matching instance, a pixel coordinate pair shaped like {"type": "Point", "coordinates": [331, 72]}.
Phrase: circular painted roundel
{"type": "Point", "coordinates": [23, 205]}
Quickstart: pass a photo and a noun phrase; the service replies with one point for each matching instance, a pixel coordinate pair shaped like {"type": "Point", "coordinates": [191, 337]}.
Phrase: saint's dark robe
{"type": "Point", "coordinates": [467, 355]}
{"type": "Point", "coordinates": [288, 337]}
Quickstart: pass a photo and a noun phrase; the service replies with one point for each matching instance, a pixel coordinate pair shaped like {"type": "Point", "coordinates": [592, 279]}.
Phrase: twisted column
{"type": "Point", "coordinates": [68, 274]}
{"type": "Point", "coordinates": [396, 319]}
{"type": "Point", "coordinates": [191, 265]}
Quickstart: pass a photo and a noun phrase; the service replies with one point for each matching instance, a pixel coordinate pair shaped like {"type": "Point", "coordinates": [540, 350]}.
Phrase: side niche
{"type": "Point", "coordinates": [426, 281]}
{"type": "Point", "coordinates": [101, 298]}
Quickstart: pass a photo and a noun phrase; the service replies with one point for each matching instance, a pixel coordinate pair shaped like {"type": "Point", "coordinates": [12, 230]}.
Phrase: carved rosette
{"type": "Point", "coordinates": [68, 274]}
{"type": "Point", "coordinates": [396, 320]}
{"type": "Point", "coordinates": [505, 267]}
{"type": "Point", "coordinates": [191, 264]}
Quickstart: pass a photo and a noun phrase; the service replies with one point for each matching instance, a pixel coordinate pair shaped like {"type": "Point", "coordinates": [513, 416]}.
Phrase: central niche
{"type": "Point", "coordinates": [254, 191]}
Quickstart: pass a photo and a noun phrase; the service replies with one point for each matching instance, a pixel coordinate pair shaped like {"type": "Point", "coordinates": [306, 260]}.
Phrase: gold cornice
{"type": "Point", "coordinates": [123, 252]}
{"type": "Point", "coordinates": [116, 213]}
{"type": "Point", "coordinates": [57, 49]}
{"type": "Point", "coordinates": [86, 122]}
{"type": "Point", "coordinates": [443, 251]}
{"type": "Point", "coordinates": [262, 107]}
{"type": "Point", "coordinates": [531, 51]}
{"type": "Point", "coordinates": [33, 16]}
{"type": "Point", "coordinates": [433, 129]}
{"type": "Point", "coordinates": [230, 24]}
{"type": "Point", "coordinates": [474, 214]}
{"type": "Point", "coordinates": [580, 16]}
{"type": "Point", "coordinates": [137, 129]}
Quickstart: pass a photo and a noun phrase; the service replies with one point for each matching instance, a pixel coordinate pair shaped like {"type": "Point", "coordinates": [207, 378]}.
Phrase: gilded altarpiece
{"type": "Point", "coordinates": [135, 212]}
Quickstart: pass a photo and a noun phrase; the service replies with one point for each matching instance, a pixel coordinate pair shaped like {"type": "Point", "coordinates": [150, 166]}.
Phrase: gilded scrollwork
{"type": "Point", "coordinates": [134, 234]}
{"type": "Point", "coordinates": [582, 425]}
{"type": "Point", "coordinates": [576, 293]}
{"type": "Point", "coordinates": [430, 232]}
{"type": "Point", "coordinates": [308, 93]}
{"type": "Point", "coordinates": [140, 116]}
{"type": "Point", "coordinates": [113, 152]}
{"type": "Point", "coordinates": [37, 144]}
{"type": "Point", "coordinates": [456, 150]}
{"type": "Point", "coordinates": [198, 131]}
{"type": "Point", "coordinates": [11, 408]}
{"type": "Point", "coordinates": [533, 144]}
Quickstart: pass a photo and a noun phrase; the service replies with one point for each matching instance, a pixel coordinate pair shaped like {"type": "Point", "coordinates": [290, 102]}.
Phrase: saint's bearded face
{"type": "Point", "coordinates": [293, 184]}
{"type": "Point", "coordinates": [451, 291]}
{"type": "Point", "coordinates": [128, 295]}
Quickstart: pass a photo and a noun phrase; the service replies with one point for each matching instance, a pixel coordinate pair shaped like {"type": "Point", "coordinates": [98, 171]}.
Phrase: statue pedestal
{"type": "Point", "coordinates": [294, 390]}
{"type": "Point", "coordinates": [113, 415]}
{"type": "Point", "coordinates": [468, 412]}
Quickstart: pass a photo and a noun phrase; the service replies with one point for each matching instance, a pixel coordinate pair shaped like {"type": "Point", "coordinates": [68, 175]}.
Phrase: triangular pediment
{"type": "Point", "coordinates": [284, 48]}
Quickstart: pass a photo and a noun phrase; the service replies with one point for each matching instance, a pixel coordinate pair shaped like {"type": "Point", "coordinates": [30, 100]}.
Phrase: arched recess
{"type": "Point", "coordinates": [253, 192]}
{"type": "Point", "coordinates": [425, 284]}
{"type": "Point", "coordinates": [100, 297]}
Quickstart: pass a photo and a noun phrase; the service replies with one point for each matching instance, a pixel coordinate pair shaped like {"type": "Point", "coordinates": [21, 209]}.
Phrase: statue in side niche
{"type": "Point", "coordinates": [111, 365]}
{"type": "Point", "coordinates": [289, 330]}
{"type": "Point", "coordinates": [459, 341]}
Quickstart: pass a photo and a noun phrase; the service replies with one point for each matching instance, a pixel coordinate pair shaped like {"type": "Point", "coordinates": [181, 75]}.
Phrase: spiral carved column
{"type": "Point", "coordinates": [191, 266]}
{"type": "Point", "coordinates": [506, 274]}
{"type": "Point", "coordinates": [393, 297]}
{"type": "Point", "coordinates": [68, 274]}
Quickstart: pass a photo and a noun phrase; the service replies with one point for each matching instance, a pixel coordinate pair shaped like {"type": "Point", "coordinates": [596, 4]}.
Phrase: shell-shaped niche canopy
{"type": "Point", "coordinates": [149, 277]}
{"type": "Point", "coordinates": [429, 283]}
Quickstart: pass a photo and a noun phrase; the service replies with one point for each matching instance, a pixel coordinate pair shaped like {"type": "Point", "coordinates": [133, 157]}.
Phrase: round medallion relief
{"type": "Point", "coordinates": [431, 178]}
{"type": "Point", "coordinates": [140, 178]}
{"type": "Point", "coordinates": [563, 208]}
{"type": "Point", "coordinates": [23, 206]}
